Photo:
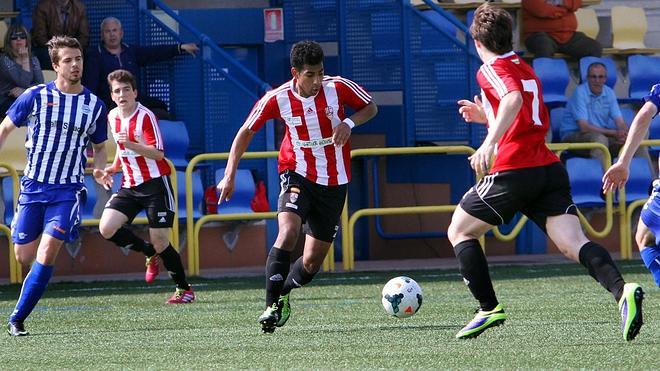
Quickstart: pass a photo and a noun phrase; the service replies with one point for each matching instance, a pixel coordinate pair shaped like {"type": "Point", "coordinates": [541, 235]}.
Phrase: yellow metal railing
{"type": "Point", "coordinates": [193, 228]}
{"type": "Point", "coordinates": [348, 224]}
{"type": "Point", "coordinates": [15, 270]}
{"type": "Point", "coordinates": [607, 161]}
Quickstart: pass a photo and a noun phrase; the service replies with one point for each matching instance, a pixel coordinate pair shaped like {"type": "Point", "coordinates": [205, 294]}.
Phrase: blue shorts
{"type": "Point", "coordinates": [650, 214]}
{"type": "Point", "coordinates": [53, 209]}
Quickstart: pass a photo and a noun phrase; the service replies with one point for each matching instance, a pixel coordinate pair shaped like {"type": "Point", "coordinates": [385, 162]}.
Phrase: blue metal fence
{"type": "Point", "coordinates": [392, 46]}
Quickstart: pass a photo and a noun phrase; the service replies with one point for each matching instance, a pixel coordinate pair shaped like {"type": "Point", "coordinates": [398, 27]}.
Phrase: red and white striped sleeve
{"type": "Point", "coordinates": [350, 93]}
{"type": "Point", "coordinates": [151, 131]}
{"type": "Point", "coordinates": [265, 109]}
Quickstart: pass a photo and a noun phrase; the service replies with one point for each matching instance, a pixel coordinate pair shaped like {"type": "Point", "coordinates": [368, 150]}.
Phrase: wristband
{"type": "Point", "coordinates": [349, 122]}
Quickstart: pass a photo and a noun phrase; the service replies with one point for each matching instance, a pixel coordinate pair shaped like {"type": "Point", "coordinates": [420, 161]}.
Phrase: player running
{"type": "Point", "coordinates": [526, 176]}
{"type": "Point", "coordinates": [314, 166]}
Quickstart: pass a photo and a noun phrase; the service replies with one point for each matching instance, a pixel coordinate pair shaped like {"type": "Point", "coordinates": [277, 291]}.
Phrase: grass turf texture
{"type": "Point", "coordinates": [558, 318]}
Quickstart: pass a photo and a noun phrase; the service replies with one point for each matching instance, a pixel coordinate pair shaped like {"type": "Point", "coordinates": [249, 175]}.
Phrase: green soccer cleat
{"type": "Point", "coordinates": [284, 308]}
{"type": "Point", "coordinates": [268, 319]}
{"type": "Point", "coordinates": [481, 322]}
{"type": "Point", "coordinates": [630, 307]}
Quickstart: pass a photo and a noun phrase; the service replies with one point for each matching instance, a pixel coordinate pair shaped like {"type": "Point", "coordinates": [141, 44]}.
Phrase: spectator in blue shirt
{"type": "Point", "coordinates": [593, 115]}
{"type": "Point", "coordinates": [113, 54]}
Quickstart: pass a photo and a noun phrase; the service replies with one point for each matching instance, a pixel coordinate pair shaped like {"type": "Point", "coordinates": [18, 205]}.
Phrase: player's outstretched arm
{"type": "Point", "coordinates": [6, 127]}
{"type": "Point", "coordinates": [342, 132]}
{"type": "Point", "coordinates": [617, 175]}
{"type": "Point", "coordinates": [238, 147]}
{"type": "Point", "coordinates": [101, 176]}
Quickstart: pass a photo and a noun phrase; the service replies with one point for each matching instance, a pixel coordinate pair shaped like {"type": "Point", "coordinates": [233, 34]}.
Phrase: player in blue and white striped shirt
{"type": "Point", "coordinates": [62, 118]}
{"type": "Point", "coordinates": [648, 227]}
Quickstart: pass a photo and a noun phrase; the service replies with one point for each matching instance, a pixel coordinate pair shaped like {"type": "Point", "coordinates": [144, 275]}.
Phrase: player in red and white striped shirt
{"type": "Point", "coordinates": [314, 165]}
{"type": "Point", "coordinates": [146, 185]}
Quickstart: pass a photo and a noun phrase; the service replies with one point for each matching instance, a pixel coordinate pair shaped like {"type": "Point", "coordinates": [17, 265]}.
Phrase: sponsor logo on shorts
{"type": "Point", "coordinates": [162, 213]}
{"type": "Point", "coordinates": [59, 229]}
{"type": "Point", "coordinates": [22, 235]}
{"type": "Point", "coordinates": [293, 206]}
{"type": "Point", "coordinates": [161, 220]}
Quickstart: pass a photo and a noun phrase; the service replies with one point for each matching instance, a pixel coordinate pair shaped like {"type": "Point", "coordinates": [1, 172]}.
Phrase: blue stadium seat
{"type": "Point", "coordinates": [585, 62]}
{"type": "Point", "coordinates": [654, 133]}
{"type": "Point", "coordinates": [554, 75]}
{"type": "Point", "coordinates": [198, 193]}
{"type": "Point", "coordinates": [585, 175]}
{"type": "Point", "coordinates": [176, 141]}
{"type": "Point", "coordinates": [244, 189]}
{"type": "Point", "coordinates": [637, 187]}
{"type": "Point", "coordinates": [643, 73]}
{"type": "Point", "coordinates": [8, 198]}
{"type": "Point", "coordinates": [556, 117]}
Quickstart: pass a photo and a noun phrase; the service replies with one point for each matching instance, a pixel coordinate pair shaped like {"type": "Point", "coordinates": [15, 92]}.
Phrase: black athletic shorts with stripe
{"type": "Point", "coordinates": [317, 205]}
{"type": "Point", "coordinates": [155, 196]}
{"type": "Point", "coordinates": [537, 192]}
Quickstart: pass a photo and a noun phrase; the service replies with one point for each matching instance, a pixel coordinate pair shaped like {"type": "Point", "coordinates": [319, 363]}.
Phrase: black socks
{"type": "Point", "coordinates": [297, 278]}
{"type": "Point", "coordinates": [125, 238]}
{"type": "Point", "coordinates": [277, 270]}
{"type": "Point", "coordinates": [172, 262]}
{"type": "Point", "coordinates": [601, 267]}
{"type": "Point", "coordinates": [474, 268]}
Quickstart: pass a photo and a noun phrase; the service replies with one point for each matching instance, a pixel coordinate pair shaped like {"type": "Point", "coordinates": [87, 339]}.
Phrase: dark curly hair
{"type": "Point", "coordinates": [492, 27]}
{"type": "Point", "coordinates": [306, 53]}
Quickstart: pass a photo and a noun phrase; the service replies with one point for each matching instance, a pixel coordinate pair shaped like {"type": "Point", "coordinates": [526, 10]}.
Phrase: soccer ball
{"type": "Point", "coordinates": [402, 297]}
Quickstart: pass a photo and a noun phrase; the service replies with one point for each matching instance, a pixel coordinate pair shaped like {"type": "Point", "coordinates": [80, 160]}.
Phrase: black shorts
{"type": "Point", "coordinates": [155, 196]}
{"type": "Point", "coordinates": [318, 206]}
{"type": "Point", "coordinates": [537, 192]}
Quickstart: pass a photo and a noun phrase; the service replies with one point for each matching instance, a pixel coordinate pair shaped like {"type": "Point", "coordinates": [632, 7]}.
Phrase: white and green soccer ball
{"type": "Point", "coordinates": [402, 297]}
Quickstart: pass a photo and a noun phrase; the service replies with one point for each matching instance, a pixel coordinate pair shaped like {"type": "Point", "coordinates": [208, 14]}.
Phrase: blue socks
{"type": "Point", "coordinates": [651, 258]}
{"type": "Point", "coordinates": [33, 288]}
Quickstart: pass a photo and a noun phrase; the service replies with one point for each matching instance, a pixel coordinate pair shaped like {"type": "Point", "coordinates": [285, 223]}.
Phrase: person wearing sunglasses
{"type": "Point", "coordinates": [19, 69]}
{"type": "Point", "coordinates": [593, 115]}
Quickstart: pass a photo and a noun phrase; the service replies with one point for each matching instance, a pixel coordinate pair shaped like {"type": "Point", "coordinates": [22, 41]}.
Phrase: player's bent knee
{"type": "Point", "coordinates": [24, 257]}
{"type": "Point", "coordinates": [107, 231]}
{"type": "Point", "coordinates": [289, 235]}
{"type": "Point", "coordinates": [644, 239]}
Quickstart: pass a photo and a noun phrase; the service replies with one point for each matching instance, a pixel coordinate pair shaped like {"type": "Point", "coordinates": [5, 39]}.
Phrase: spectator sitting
{"type": "Point", "coordinates": [549, 26]}
{"type": "Point", "coordinates": [19, 69]}
{"type": "Point", "coordinates": [593, 115]}
{"type": "Point", "coordinates": [56, 18]}
{"type": "Point", "coordinates": [113, 54]}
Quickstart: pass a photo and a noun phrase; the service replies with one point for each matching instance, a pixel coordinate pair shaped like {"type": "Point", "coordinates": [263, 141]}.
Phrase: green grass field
{"type": "Point", "coordinates": [558, 318]}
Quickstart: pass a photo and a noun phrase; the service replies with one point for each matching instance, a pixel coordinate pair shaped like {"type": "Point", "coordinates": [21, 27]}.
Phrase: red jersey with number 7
{"type": "Point", "coordinates": [523, 144]}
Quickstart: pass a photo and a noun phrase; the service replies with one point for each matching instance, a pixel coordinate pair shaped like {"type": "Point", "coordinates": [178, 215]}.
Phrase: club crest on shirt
{"type": "Point", "coordinates": [329, 112]}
